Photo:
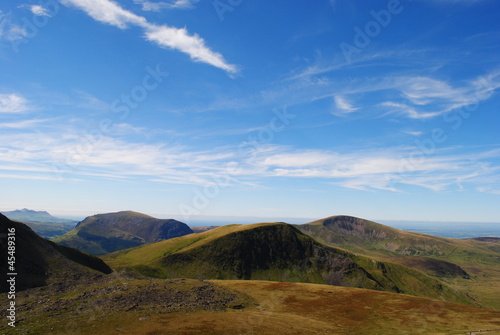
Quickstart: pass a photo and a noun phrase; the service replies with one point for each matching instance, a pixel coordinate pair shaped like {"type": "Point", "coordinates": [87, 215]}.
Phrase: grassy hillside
{"type": "Point", "coordinates": [471, 265]}
{"type": "Point", "coordinates": [104, 233]}
{"type": "Point", "coordinates": [274, 251]}
{"type": "Point", "coordinates": [365, 236]}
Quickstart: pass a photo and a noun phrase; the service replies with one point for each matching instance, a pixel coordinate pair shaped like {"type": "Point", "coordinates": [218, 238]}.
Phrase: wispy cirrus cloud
{"type": "Point", "coordinates": [10, 31]}
{"type": "Point", "coordinates": [13, 103]}
{"type": "Point", "coordinates": [409, 111]}
{"type": "Point", "coordinates": [382, 169]}
{"type": "Point", "coordinates": [342, 105]}
{"type": "Point", "coordinates": [75, 156]}
{"type": "Point", "coordinates": [23, 124]}
{"type": "Point", "coordinates": [414, 97]}
{"type": "Point", "coordinates": [109, 12]}
{"type": "Point", "coordinates": [414, 132]}
{"type": "Point", "coordinates": [158, 6]}
{"type": "Point", "coordinates": [39, 10]}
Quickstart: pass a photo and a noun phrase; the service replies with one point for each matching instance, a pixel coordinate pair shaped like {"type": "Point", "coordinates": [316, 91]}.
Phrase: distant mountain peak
{"type": "Point", "coordinates": [26, 210]}
{"type": "Point", "coordinates": [29, 215]}
{"type": "Point", "coordinates": [109, 232]}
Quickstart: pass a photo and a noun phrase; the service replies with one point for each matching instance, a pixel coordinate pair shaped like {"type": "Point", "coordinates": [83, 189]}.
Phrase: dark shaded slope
{"type": "Point", "coordinates": [105, 233]}
{"type": "Point", "coordinates": [39, 262]}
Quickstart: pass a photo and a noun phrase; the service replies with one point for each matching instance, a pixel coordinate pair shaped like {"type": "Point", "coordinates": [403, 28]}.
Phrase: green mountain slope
{"type": "Point", "coordinates": [277, 252]}
{"type": "Point", "coordinates": [367, 237]}
{"type": "Point", "coordinates": [471, 265]}
{"type": "Point", "coordinates": [39, 262]}
{"type": "Point", "coordinates": [105, 233]}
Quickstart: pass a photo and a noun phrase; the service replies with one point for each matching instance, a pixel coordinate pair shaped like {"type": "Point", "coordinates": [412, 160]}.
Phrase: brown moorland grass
{"type": "Point", "coordinates": [290, 308]}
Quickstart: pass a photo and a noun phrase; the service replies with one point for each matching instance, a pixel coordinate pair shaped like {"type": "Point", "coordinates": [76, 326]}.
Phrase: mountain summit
{"type": "Point", "coordinates": [104, 233]}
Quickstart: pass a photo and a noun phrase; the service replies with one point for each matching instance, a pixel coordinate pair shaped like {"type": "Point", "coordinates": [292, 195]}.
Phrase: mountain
{"type": "Point", "coordinates": [28, 215]}
{"type": "Point", "coordinates": [471, 265]}
{"type": "Point", "coordinates": [39, 262]}
{"type": "Point", "coordinates": [368, 237]}
{"type": "Point", "coordinates": [277, 252]}
{"type": "Point", "coordinates": [104, 233]}
{"type": "Point", "coordinates": [41, 222]}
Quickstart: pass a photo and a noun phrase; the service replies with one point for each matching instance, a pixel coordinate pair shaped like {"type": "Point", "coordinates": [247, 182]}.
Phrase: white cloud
{"type": "Point", "coordinates": [342, 105]}
{"type": "Point", "coordinates": [414, 96]}
{"type": "Point", "coordinates": [300, 159]}
{"type": "Point", "coordinates": [13, 103]}
{"type": "Point", "coordinates": [39, 10]}
{"type": "Point", "coordinates": [10, 31]}
{"type": "Point", "coordinates": [80, 156]}
{"type": "Point", "coordinates": [109, 12]}
{"type": "Point", "coordinates": [21, 124]}
{"type": "Point", "coordinates": [413, 133]}
{"type": "Point", "coordinates": [424, 90]}
{"type": "Point", "coordinates": [193, 45]}
{"type": "Point", "coordinates": [411, 112]}
{"type": "Point", "coordinates": [383, 169]}
{"type": "Point", "coordinates": [158, 6]}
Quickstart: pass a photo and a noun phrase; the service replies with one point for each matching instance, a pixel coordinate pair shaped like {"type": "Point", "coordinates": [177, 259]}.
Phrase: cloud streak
{"type": "Point", "coordinates": [158, 6]}
{"type": "Point", "coordinates": [68, 156]}
{"type": "Point", "coordinates": [39, 10]}
{"type": "Point", "coordinates": [108, 12]}
{"type": "Point", "coordinates": [13, 103]}
{"type": "Point", "coordinates": [343, 106]}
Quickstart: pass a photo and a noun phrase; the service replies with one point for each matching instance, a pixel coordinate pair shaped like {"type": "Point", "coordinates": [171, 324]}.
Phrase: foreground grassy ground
{"type": "Point", "coordinates": [120, 305]}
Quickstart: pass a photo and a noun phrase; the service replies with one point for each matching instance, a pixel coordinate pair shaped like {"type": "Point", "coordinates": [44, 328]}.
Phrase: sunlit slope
{"type": "Point", "coordinates": [277, 252]}
{"type": "Point", "coordinates": [469, 265]}
{"type": "Point", "coordinates": [365, 236]}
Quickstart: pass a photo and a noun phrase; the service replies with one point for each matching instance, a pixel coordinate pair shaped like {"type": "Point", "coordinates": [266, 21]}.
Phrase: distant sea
{"type": "Point", "coordinates": [448, 229]}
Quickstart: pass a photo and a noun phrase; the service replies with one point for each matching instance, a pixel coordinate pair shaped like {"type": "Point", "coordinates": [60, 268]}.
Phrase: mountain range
{"type": "Point", "coordinates": [336, 275]}
{"type": "Point", "coordinates": [42, 222]}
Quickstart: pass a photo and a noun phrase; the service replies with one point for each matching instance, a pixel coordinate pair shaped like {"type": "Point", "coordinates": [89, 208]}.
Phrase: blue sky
{"type": "Point", "coordinates": [382, 109]}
